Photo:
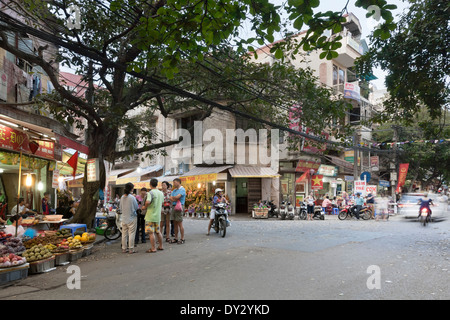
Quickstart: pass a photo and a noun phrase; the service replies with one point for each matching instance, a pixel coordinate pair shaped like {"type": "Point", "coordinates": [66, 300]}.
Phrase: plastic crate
{"type": "Point", "coordinates": [42, 266]}
{"type": "Point", "coordinates": [14, 273]}
{"type": "Point", "coordinates": [61, 259]}
{"type": "Point", "coordinates": [75, 255]}
{"type": "Point", "coordinates": [100, 231]}
{"type": "Point", "coordinates": [87, 250]}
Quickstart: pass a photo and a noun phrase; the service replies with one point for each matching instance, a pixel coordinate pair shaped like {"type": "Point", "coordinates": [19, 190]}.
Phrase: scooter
{"type": "Point", "coordinates": [350, 211]}
{"type": "Point", "coordinates": [425, 216]}
{"type": "Point", "coordinates": [302, 211]}
{"type": "Point", "coordinates": [283, 210]}
{"type": "Point", "coordinates": [272, 208]}
{"type": "Point", "coordinates": [290, 211]}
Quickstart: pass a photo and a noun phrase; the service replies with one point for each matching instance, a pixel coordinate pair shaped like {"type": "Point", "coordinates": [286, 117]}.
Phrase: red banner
{"type": "Point", "coordinates": [16, 140]}
{"type": "Point", "coordinates": [402, 172]}
{"type": "Point", "coordinates": [317, 182]}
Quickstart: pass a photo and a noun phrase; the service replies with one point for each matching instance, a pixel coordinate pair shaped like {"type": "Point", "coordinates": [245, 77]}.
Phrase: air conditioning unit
{"type": "Point", "coordinates": [173, 170]}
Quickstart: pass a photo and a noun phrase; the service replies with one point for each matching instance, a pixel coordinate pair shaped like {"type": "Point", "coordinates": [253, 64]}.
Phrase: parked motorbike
{"type": "Point", "coordinates": [303, 212]}
{"type": "Point", "coordinates": [424, 217]}
{"type": "Point", "coordinates": [272, 208]}
{"type": "Point", "coordinates": [283, 210]}
{"type": "Point", "coordinates": [114, 229]}
{"type": "Point", "coordinates": [220, 219]}
{"type": "Point", "coordinates": [290, 211]}
{"type": "Point", "coordinates": [350, 211]}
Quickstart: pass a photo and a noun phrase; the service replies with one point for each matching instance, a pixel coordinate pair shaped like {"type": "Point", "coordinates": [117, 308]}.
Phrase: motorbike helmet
{"type": "Point", "coordinates": [218, 190]}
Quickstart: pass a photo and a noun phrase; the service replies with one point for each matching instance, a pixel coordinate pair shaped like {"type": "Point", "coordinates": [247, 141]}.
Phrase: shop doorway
{"type": "Point", "coordinates": [241, 195]}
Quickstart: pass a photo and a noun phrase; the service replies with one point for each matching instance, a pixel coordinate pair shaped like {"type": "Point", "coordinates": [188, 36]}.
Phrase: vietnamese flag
{"type": "Point", "coordinates": [73, 162]}
{"type": "Point", "coordinates": [402, 172]}
{"type": "Point", "coordinates": [317, 182]}
{"type": "Point", "coordinates": [303, 177]}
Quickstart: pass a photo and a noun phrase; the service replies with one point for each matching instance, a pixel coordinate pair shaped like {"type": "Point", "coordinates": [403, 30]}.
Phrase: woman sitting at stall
{"type": "Point", "coordinates": [15, 220]}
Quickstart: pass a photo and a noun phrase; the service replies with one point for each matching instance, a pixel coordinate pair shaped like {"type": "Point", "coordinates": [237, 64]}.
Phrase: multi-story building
{"type": "Point", "coordinates": [25, 125]}
{"type": "Point", "coordinates": [334, 165]}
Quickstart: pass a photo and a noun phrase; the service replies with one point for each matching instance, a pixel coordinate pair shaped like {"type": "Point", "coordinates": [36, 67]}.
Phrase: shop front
{"type": "Point", "coordinates": [295, 180]}
{"type": "Point", "coordinates": [25, 165]}
{"type": "Point", "coordinates": [200, 184]}
{"type": "Point", "coordinates": [252, 184]}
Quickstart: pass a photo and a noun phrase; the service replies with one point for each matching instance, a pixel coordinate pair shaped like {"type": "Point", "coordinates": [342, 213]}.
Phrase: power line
{"type": "Point", "coordinates": [17, 25]}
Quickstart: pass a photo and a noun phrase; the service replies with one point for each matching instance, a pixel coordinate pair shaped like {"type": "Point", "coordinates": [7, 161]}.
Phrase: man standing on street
{"type": "Point", "coordinates": [154, 200]}
{"type": "Point", "coordinates": [359, 202]}
{"type": "Point", "coordinates": [178, 194]}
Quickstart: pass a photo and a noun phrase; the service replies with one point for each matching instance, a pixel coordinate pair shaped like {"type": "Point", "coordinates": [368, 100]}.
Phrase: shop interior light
{"type": "Point", "coordinates": [40, 186]}
{"type": "Point", "coordinates": [199, 185]}
{"type": "Point", "coordinates": [28, 180]}
{"type": "Point", "coordinates": [214, 183]}
{"type": "Point", "coordinates": [1, 170]}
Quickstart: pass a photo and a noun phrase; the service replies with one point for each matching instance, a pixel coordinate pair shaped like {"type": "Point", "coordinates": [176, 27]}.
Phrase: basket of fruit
{"type": "Point", "coordinates": [36, 253]}
{"type": "Point", "coordinates": [11, 260]}
{"type": "Point", "coordinates": [12, 245]}
{"type": "Point", "coordinates": [64, 233]}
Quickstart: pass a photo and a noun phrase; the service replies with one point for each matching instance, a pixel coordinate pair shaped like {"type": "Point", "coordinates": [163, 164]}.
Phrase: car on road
{"type": "Point", "coordinates": [408, 205]}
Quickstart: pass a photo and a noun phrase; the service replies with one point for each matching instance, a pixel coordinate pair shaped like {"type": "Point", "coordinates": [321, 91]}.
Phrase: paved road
{"type": "Point", "coordinates": [265, 259]}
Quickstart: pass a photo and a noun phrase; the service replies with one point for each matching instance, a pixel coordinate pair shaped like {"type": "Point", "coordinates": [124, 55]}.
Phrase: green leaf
{"type": "Point", "coordinates": [279, 53]}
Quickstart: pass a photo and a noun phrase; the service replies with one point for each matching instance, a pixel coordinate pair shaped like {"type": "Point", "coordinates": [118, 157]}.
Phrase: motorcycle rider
{"type": "Point", "coordinates": [359, 202]}
{"type": "Point", "coordinates": [218, 198]}
{"type": "Point", "coordinates": [425, 203]}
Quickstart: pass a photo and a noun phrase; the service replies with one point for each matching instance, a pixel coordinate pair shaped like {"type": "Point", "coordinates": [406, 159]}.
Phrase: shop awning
{"type": "Point", "coordinates": [136, 175]}
{"type": "Point", "coordinates": [197, 171]}
{"type": "Point", "coordinates": [241, 171]}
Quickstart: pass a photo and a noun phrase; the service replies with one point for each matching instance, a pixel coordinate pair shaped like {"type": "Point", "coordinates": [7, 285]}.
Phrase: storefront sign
{"type": "Point", "coordinates": [199, 178]}
{"type": "Point", "coordinates": [384, 183]}
{"type": "Point", "coordinates": [330, 171]}
{"type": "Point", "coordinates": [16, 140]}
{"type": "Point", "coordinates": [352, 91]}
{"type": "Point", "coordinates": [92, 168]}
{"type": "Point", "coordinates": [375, 163]}
{"type": "Point", "coordinates": [371, 189]}
{"type": "Point", "coordinates": [317, 182]}
{"type": "Point", "coordinates": [55, 182]}
{"type": "Point", "coordinates": [359, 186]}
{"type": "Point", "coordinates": [303, 166]}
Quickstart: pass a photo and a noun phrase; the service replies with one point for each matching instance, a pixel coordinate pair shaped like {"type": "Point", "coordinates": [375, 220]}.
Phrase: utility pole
{"type": "Point", "coordinates": [356, 139]}
{"type": "Point", "coordinates": [394, 164]}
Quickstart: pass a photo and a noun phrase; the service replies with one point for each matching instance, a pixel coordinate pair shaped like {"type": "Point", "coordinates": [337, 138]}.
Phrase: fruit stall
{"type": "Point", "coordinates": [20, 257]}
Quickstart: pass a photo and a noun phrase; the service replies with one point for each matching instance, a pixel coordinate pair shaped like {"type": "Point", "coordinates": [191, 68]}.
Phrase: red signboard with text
{"type": "Point", "coordinates": [16, 140]}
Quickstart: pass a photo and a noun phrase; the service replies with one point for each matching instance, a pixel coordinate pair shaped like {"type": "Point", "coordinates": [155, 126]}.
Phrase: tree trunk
{"type": "Point", "coordinates": [101, 144]}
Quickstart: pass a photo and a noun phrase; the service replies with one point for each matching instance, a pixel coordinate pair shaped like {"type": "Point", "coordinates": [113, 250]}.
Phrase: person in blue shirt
{"type": "Point", "coordinates": [178, 193]}
{"type": "Point", "coordinates": [359, 202]}
{"type": "Point", "coordinates": [425, 203]}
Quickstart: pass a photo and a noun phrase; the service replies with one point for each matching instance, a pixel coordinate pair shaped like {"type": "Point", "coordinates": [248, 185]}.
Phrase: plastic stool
{"type": "Point", "coordinates": [335, 210]}
{"type": "Point", "coordinates": [73, 227]}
